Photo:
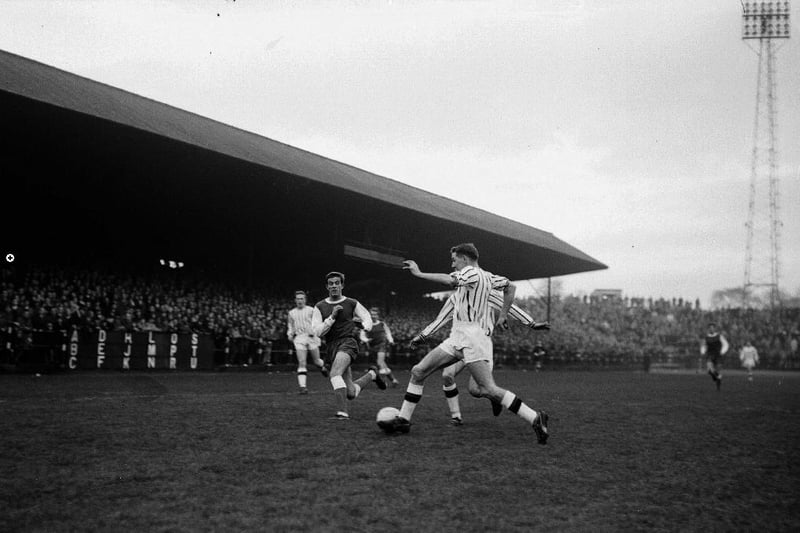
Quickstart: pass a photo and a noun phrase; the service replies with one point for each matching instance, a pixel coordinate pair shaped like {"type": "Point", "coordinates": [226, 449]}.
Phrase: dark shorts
{"type": "Point", "coordinates": [348, 345]}
{"type": "Point", "coordinates": [379, 347]}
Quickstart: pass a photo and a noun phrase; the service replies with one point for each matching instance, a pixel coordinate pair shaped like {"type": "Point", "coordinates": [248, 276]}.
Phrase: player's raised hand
{"type": "Point", "coordinates": [335, 312]}
{"type": "Point", "coordinates": [502, 320]}
{"type": "Point", "coordinates": [411, 266]}
{"type": "Point", "coordinates": [540, 325]}
{"type": "Point", "coordinates": [416, 341]}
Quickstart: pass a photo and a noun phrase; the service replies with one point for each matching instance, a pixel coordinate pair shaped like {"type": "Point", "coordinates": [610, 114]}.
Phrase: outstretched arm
{"type": "Point", "coordinates": [445, 279]}
{"type": "Point", "coordinates": [515, 312]}
{"type": "Point", "coordinates": [444, 316]}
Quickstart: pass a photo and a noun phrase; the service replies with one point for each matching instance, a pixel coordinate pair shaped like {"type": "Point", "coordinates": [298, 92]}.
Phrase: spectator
{"type": "Point", "coordinates": [608, 332]}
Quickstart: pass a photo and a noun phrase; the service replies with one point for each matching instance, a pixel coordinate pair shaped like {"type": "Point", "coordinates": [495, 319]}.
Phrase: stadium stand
{"type": "Point", "coordinates": [248, 327]}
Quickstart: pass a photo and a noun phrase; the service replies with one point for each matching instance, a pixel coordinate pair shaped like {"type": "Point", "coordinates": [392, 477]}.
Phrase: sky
{"type": "Point", "coordinates": [623, 127]}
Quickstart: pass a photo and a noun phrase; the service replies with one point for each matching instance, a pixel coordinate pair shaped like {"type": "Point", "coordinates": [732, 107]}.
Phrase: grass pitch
{"type": "Point", "coordinates": [110, 451]}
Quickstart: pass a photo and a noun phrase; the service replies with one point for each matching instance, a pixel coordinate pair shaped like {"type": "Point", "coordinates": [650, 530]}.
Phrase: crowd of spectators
{"type": "Point", "coordinates": [248, 325]}
{"type": "Point", "coordinates": [244, 324]}
{"type": "Point", "coordinates": [639, 331]}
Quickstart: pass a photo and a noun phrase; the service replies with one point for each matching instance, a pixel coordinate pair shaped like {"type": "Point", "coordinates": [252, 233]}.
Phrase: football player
{"type": "Point", "coordinates": [378, 340]}
{"type": "Point", "coordinates": [714, 346]}
{"type": "Point", "coordinates": [449, 373]}
{"type": "Point", "coordinates": [338, 319]}
{"type": "Point", "coordinates": [298, 330]}
{"type": "Point", "coordinates": [470, 338]}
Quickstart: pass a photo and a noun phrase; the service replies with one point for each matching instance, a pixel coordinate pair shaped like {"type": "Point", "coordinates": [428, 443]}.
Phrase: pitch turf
{"type": "Point", "coordinates": [243, 451]}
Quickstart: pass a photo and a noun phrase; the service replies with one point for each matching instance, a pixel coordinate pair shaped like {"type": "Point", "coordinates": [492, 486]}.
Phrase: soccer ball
{"type": "Point", "coordinates": [385, 418]}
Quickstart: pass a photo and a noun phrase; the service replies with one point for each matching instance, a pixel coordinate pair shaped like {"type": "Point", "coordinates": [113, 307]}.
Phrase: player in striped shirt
{"type": "Point", "coordinates": [470, 338]}
{"type": "Point", "coordinates": [298, 330]}
{"type": "Point", "coordinates": [338, 320]}
{"type": "Point", "coordinates": [449, 373]}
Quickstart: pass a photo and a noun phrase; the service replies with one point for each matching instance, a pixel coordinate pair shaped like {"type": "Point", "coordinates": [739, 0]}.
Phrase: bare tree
{"type": "Point", "coordinates": [731, 297]}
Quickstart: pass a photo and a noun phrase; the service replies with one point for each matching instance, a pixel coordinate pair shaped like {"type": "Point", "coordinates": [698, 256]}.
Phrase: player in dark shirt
{"type": "Point", "coordinates": [714, 346]}
{"type": "Point", "coordinates": [339, 319]}
{"type": "Point", "coordinates": [378, 341]}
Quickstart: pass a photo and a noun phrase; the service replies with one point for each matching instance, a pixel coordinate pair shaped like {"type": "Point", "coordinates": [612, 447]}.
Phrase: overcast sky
{"type": "Point", "coordinates": [624, 127]}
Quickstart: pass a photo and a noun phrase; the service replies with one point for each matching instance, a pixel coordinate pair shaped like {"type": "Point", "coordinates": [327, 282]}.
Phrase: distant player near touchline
{"type": "Point", "coordinates": [338, 319]}
{"type": "Point", "coordinates": [714, 346]}
{"type": "Point", "coordinates": [378, 340]}
{"type": "Point", "coordinates": [470, 338]}
{"type": "Point", "coordinates": [449, 373]}
{"type": "Point", "coordinates": [749, 358]}
{"type": "Point", "coordinates": [300, 334]}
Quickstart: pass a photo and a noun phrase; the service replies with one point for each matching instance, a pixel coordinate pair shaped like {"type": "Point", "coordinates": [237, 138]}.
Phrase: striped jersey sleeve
{"type": "Point", "coordinates": [515, 312]}
{"type": "Point", "coordinates": [444, 316]}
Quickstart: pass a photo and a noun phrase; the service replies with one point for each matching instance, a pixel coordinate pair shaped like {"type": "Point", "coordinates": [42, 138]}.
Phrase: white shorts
{"type": "Point", "coordinates": [469, 341]}
{"type": "Point", "coordinates": [749, 364]}
{"type": "Point", "coordinates": [306, 342]}
{"type": "Point", "coordinates": [456, 368]}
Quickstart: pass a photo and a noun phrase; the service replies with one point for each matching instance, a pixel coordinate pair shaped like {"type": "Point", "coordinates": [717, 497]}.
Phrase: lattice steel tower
{"type": "Point", "coordinates": [765, 22]}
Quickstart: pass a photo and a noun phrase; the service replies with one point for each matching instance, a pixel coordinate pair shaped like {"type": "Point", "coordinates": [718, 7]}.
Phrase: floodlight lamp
{"type": "Point", "coordinates": [765, 20]}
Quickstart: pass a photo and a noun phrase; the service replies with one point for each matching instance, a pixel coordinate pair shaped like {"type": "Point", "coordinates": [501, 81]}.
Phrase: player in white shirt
{"type": "Point", "coordinates": [298, 330]}
{"type": "Point", "coordinates": [449, 373]}
{"type": "Point", "coordinates": [470, 339]}
{"type": "Point", "coordinates": [749, 358]}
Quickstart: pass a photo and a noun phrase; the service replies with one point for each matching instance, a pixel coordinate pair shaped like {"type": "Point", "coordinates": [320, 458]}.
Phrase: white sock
{"type": "Point", "coordinates": [412, 398]}
{"type": "Point", "coordinates": [518, 407]}
{"type": "Point", "coordinates": [451, 395]}
{"type": "Point", "coordinates": [337, 382]}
